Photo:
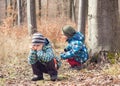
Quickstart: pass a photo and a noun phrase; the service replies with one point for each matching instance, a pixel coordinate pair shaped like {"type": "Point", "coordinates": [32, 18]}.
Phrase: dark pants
{"type": "Point", "coordinates": [40, 68]}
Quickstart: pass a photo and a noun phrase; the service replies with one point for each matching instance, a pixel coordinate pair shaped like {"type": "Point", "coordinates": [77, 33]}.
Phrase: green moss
{"type": "Point", "coordinates": [111, 55]}
{"type": "Point", "coordinates": [2, 81]}
{"type": "Point", "coordinates": [113, 61]}
{"type": "Point", "coordinates": [112, 58]}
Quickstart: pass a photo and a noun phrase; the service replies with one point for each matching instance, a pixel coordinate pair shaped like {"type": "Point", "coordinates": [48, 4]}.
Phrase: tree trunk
{"type": "Point", "coordinates": [82, 16]}
{"type": "Point", "coordinates": [10, 8]}
{"type": "Point", "coordinates": [63, 8]}
{"type": "Point", "coordinates": [103, 31]}
{"type": "Point", "coordinates": [6, 4]}
{"type": "Point", "coordinates": [40, 7]}
{"type": "Point", "coordinates": [73, 11]}
{"type": "Point", "coordinates": [10, 2]}
{"type": "Point", "coordinates": [72, 14]}
{"type": "Point", "coordinates": [47, 9]}
{"type": "Point", "coordinates": [14, 12]}
{"type": "Point", "coordinates": [71, 2]}
{"type": "Point", "coordinates": [59, 6]}
{"type": "Point", "coordinates": [92, 27]}
{"type": "Point", "coordinates": [19, 12]}
{"type": "Point", "coordinates": [114, 14]}
{"type": "Point", "coordinates": [119, 14]}
{"type": "Point", "coordinates": [31, 17]}
{"type": "Point", "coordinates": [63, 13]}
{"type": "Point", "coordinates": [23, 5]}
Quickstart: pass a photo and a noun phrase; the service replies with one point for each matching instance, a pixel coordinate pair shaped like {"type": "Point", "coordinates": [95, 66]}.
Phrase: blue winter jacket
{"type": "Point", "coordinates": [44, 55]}
{"type": "Point", "coordinates": [76, 48]}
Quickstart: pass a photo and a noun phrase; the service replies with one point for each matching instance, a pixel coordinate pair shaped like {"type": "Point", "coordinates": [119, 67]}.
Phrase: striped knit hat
{"type": "Point", "coordinates": [37, 38]}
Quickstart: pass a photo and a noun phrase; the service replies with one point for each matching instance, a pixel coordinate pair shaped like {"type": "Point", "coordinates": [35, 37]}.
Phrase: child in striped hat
{"type": "Point", "coordinates": [42, 58]}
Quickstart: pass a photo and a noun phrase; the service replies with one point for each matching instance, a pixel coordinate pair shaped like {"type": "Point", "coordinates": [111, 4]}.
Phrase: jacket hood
{"type": "Point", "coordinates": [46, 41]}
{"type": "Point", "coordinates": [77, 36]}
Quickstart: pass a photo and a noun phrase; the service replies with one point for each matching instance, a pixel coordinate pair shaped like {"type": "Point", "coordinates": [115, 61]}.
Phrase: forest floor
{"type": "Point", "coordinates": [17, 72]}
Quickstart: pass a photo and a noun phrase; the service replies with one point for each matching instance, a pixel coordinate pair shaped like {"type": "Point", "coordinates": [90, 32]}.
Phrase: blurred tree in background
{"type": "Point", "coordinates": [97, 20]}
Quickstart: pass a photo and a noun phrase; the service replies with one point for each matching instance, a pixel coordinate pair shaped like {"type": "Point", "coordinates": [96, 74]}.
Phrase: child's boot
{"type": "Point", "coordinates": [37, 78]}
{"type": "Point", "coordinates": [53, 77]}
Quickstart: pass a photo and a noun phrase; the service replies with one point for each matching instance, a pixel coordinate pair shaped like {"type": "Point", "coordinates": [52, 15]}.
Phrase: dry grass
{"type": "Point", "coordinates": [14, 41]}
{"type": "Point", "coordinates": [113, 70]}
{"type": "Point", "coordinates": [14, 69]}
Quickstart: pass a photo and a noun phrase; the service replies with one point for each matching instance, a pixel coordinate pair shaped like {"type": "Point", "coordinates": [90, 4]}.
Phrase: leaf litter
{"type": "Point", "coordinates": [19, 73]}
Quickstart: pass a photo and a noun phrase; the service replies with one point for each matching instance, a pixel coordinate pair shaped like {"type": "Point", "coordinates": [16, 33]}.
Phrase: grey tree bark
{"type": "Point", "coordinates": [14, 12]}
{"type": "Point", "coordinates": [72, 10]}
{"type": "Point", "coordinates": [6, 4]}
{"type": "Point", "coordinates": [103, 30]}
{"type": "Point", "coordinates": [19, 12]}
{"type": "Point", "coordinates": [11, 7]}
{"type": "Point", "coordinates": [92, 27]}
{"type": "Point", "coordinates": [59, 10]}
{"type": "Point", "coordinates": [119, 11]}
{"type": "Point", "coordinates": [82, 16]}
{"type": "Point", "coordinates": [47, 9]}
{"type": "Point", "coordinates": [40, 8]}
{"type": "Point", "coordinates": [70, 16]}
{"type": "Point", "coordinates": [24, 6]}
{"type": "Point", "coordinates": [31, 17]}
{"type": "Point", "coordinates": [10, 2]}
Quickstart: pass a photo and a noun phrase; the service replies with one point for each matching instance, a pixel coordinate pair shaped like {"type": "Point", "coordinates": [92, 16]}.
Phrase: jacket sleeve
{"type": "Point", "coordinates": [67, 48]}
{"type": "Point", "coordinates": [75, 47]}
{"type": "Point", "coordinates": [82, 38]}
{"type": "Point", "coordinates": [45, 55]}
{"type": "Point", "coordinates": [32, 58]}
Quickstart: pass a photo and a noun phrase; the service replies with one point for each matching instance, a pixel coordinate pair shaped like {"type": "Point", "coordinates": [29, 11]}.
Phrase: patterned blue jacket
{"type": "Point", "coordinates": [44, 55]}
{"type": "Point", "coordinates": [76, 48]}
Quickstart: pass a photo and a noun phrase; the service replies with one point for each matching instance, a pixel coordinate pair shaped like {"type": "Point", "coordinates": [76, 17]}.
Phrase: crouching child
{"type": "Point", "coordinates": [42, 58]}
{"type": "Point", "coordinates": [76, 51]}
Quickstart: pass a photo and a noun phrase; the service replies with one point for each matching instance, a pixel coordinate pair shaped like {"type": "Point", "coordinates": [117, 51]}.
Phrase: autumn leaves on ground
{"type": "Point", "coordinates": [15, 70]}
